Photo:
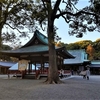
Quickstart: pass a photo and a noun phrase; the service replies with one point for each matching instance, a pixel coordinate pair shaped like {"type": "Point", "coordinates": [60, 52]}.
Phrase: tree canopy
{"type": "Point", "coordinates": [21, 14]}
{"type": "Point", "coordinates": [14, 16]}
{"type": "Point", "coordinates": [86, 19]}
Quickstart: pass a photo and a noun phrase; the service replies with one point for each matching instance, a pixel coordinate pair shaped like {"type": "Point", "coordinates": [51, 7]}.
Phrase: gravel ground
{"type": "Point", "coordinates": [74, 88]}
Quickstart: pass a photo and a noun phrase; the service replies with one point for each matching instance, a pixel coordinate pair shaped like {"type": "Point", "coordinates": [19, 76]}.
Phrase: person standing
{"type": "Point", "coordinates": [61, 73]}
{"type": "Point", "coordinates": [87, 73]}
{"type": "Point", "coordinates": [72, 72]}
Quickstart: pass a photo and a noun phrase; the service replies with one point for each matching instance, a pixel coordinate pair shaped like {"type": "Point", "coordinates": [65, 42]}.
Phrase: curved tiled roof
{"type": "Point", "coordinates": [39, 36]}
{"type": "Point", "coordinates": [79, 57]}
{"type": "Point", "coordinates": [6, 63]}
{"type": "Point", "coordinates": [36, 49]}
{"type": "Point", "coordinates": [30, 49]}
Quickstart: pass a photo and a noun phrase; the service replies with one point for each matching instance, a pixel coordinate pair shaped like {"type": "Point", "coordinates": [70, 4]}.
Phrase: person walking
{"type": "Point", "coordinates": [87, 73]}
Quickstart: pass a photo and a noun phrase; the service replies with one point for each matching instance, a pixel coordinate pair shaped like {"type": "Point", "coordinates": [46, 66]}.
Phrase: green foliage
{"type": "Point", "coordinates": [15, 18]}
{"type": "Point", "coordinates": [96, 5]}
{"type": "Point", "coordinates": [72, 46]}
{"type": "Point", "coordinates": [83, 44]}
{"type": "Point", "coordinates": [6, 47]}
{"type": "Point", "coordinates": [79, 45]}
{"type": "Point", "coordinates": [87, 19]}
{"type": "Point", "coordinates": [97, 55]}
{"type": "Point", "coordinates": [21, 14]}
{"type": "Point", "coordinates": [90, 50]}
{"type": "Point", "coordinates": [98, 40]}
{"type": "Point", "coordinates": [4, 57]}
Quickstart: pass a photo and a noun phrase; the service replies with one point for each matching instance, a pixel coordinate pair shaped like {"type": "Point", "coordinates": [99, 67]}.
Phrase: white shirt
{"type": "Point", "coordinates": [61, 71]}
{"type": "Point", "coordinates": [87, 72]}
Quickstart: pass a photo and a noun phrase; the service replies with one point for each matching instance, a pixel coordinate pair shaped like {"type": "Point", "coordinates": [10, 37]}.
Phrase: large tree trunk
{"type": "Point", "coordinates": [0, 39]}
{"type": "Point", "coordinates": [1, 26]}
{"type": "Point", "coordinates": [53, 76]}
{"type": "Point", "coordinates": [53, 70]}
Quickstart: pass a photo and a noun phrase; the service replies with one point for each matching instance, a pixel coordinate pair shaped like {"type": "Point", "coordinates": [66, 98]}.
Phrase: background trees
{"type": "Point", "coordinates": [14, 17]}
{"type": "Point", "coordinates": [96, 46]}
{"type": "Point", "coordinates": [90, 50]}
{"type": "Point", "coordinates": [79, 45]}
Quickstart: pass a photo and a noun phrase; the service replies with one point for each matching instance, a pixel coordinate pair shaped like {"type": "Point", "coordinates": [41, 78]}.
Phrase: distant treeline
{"type": "Point", "coordinates": [92, 48]}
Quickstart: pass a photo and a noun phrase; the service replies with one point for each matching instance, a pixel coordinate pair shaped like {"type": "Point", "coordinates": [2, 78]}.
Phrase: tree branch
{"type": "Point", "coordinates": [69, 3]}
{"type": "Point", "coordinates": [67, 21]}
{"type": "Point", "coordinates": [56, 7]}
{"type": "Point", "coordinates": [75, 14]}
{"type": "Point", "coordinates": [43, 4]}
{"type": "Point", "coordinates": [14, 28]}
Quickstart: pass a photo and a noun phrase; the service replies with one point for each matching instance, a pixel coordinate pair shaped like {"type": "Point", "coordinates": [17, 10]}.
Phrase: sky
{"type": "Point", "coordinates": [63, 29]}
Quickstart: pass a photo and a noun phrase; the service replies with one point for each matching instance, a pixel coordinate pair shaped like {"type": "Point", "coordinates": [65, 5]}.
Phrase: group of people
{"type": "Point", "coordinates": [85, 73]}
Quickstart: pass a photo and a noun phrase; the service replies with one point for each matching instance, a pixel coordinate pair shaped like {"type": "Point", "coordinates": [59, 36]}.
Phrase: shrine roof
{"type": "Point", "coordinates": [80, 57]}
{"type": "Point", "coordinates": [29, 49]}
{"type": "Point", "coordinates": [6, 63]}
{"type": "Point", "coordinates": [35, 50]}
{"type": "Point", "coordinates": [42, 39]}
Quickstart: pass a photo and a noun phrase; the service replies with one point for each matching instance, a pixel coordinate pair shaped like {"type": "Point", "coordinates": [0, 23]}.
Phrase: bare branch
{"type": "Point", "coordinates": [14, 28]}
{"type": "Point", "coordinates": [43, 3]}
{"type": "Point", "coordinates": [64, 17]}
{"type": "Point", "coordinates": [75, 14]}
{"type": "Point", "coordinates": [69, 3]}
{"type": "Point", "coordinates": [42, 27]}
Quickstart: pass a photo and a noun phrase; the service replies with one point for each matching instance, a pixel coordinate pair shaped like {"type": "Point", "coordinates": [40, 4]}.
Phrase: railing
{"type": "Point", "coordinates": [15, 73]}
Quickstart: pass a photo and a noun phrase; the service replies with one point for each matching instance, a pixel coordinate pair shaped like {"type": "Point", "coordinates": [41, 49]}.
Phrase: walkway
{"type": "Point", "coordinates": [76, 77]}
{"type": "Point", "coordinates": [75, 88]}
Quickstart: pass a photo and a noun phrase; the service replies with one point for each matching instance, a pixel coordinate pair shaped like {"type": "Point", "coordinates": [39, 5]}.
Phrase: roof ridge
{"type": "Point", "coordinates": [40, 33]}
{"type": "Point", "coordinates": [41, 37]}
{"type": "Point", "coordinates": [77, 50]}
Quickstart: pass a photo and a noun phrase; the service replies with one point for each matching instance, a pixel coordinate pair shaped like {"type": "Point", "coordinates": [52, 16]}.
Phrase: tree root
{"type": "Point", "coordinates": [53, 82]}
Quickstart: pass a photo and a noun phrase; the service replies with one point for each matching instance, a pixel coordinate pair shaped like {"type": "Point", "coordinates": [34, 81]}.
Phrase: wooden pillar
{"type": "Point", "coordinates": [0, 70]}
{"type": "Point", "coordinates": [42, 64]}
{"type": "Point", "coordinates": [42, 67]}
{"type": "Point", "coordinates": [62, 62]}
{"type": "Point", "coordinates": [29, 68]}
{"type": "Point", "coordinates": [35, 66]}
{"type": "Point", "coordinates": [59, 61]}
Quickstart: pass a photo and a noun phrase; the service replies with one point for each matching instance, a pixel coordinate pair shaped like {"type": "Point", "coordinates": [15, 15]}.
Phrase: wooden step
{"type": "Point", "coordinates": [42, 76]}
{"type": "Point", "coordinates": [29, 76]}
